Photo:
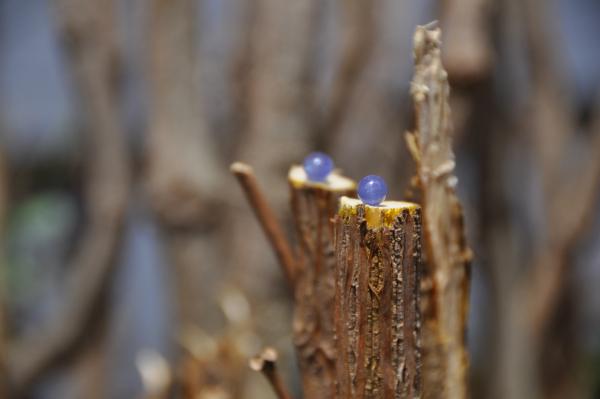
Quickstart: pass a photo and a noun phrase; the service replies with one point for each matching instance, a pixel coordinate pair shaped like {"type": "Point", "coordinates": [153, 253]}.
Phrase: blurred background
{"type": "Point", "coordinates": [130, 257]}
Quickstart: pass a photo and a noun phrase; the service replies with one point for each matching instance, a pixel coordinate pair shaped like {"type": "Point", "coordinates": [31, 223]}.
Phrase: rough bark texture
{"type": "Point", "coordinates": [446, 275]}
{"type": "Point", "coordinates": [313, 206]}
{"type": "Point", "coordinates": [377, 318]}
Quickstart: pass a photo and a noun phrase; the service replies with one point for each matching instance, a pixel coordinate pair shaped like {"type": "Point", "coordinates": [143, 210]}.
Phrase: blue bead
{"type": "Point", "coordinates": [318, 166]}
{"type": "Point", "coordinates": [372, 190]}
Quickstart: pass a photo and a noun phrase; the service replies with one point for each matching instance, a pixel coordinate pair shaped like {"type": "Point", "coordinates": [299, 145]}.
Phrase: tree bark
{"type": "Point", "coordinates": [311, 271]}
{"type": "Point", "coordinates": [313, 206]}
{"type": "Point", "coordinates": [377, 316]}
{"type": "Point", "coordinates": [446, 275]}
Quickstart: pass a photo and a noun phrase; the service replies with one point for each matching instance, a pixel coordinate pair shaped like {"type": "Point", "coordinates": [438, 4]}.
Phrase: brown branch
{"type": "Point", "coordinates": [358, 35]}
{"type": "Point", "coordinates": [183, 172]}
{"type": "Point", "coordinates": [551, 116]}
{"type": "Point", "coordinates": [377, 317]}
{"type": "Point", "coordinates": [243, 65]}
{"type": "Point", "coordinates": [278, 94]}
{"type": "Point", "coordinates": [265, 363]}
{"type": "Point", "coordinates": [4, 328]}
{"type": "Point", "coordinates": [88, 28]}
{"type": "Point", "coordinates": [467, 44]}
{"type": "Point", "coordinates": [570, 202]}
{"type": "Point", "coordinates": [313, 207]}
{"type": "Point", "coordinates": [572, 209]}
{"type": "Point", "coordinates": [278, 99]}
{"type": "Point", "coordinates": [447, 255]}
{"type": "Point", "coordinates": [267, 219]}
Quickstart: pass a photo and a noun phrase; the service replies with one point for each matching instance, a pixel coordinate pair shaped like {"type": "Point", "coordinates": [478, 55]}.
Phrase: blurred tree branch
{"type": "Point", "coordinates": [570, 211]}
{"type": "Point", "coordinates": [468, 55]}
{"type": "Point", "coordinates": [359, 33]}
{"type": "Point", "coordinates": [266, 363]}
{"type": "Point", "coordinates": [267, 219]}
{"type": "Point", "coordinates": [184, 177]}
{"type": "Point", "coordinates": [4, 343]}
{"type": "Point", "coordinates": [538, 283]}
{"type": "Point", "coordinates": [88, 31]}
{"type": "Point", "coordinates": [183, 191]}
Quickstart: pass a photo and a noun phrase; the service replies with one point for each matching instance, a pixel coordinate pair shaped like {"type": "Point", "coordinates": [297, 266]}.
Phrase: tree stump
{"type": "Point", "coordinates": [377, 318]}
{"type": "Point", "coordinates": [313, 206]}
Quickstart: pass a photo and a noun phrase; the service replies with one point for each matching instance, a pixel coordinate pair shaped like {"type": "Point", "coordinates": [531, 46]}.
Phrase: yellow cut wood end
{"type": "Point", "coordinates": [334, 182]}
{"type": "Point", "coordinates": [379, 216]}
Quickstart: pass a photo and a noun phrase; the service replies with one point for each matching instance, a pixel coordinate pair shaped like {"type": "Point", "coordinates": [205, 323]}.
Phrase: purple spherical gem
{"type": "Point", "coordinates": [372, 190]}
{"type": "Point", "coordinates": [318, 166]}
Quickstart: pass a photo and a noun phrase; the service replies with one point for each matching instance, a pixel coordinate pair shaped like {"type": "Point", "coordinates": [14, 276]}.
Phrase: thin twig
{"type": "Point", "coordinates": [266, 218]}
{"type": "Point", "coordinates": [265, 362]}
{"type": "Point", "coordinates": [4, 197]}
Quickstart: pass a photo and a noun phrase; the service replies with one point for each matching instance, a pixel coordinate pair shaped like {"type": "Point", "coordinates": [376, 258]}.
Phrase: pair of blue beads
{"type": "Point", "coordinates": [372, 189]}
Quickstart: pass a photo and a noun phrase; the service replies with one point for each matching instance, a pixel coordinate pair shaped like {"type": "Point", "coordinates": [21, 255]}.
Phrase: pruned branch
{"type": "Point", "coordinates": [266, 363]}
{"type": "Point", "coordinates": [447, 254]}
{"type": "Point", "coordinates": [267, 219]}
{"type": "Point", "coordinates": [88, 29]}
{"type": "Point", "coordinates": [311, 268]}
{"type": "Point", "coordinates": [313, 205]}
{"type": "Point", "coordinates": [377, 317]}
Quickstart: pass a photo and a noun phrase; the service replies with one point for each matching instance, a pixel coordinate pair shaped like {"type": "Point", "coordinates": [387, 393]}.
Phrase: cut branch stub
{"type": "Point", "coordinates": [266, 217]}
{"type": "Point", "coordinates": [266, 363]}
{"type": "Point", "coordinates": [377, 317]}
{"type": "Point", "coordinates": [313, 207]}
